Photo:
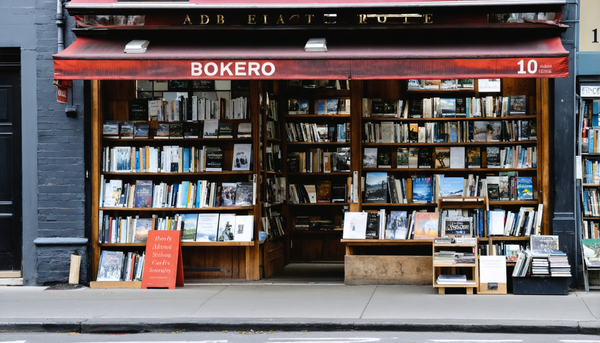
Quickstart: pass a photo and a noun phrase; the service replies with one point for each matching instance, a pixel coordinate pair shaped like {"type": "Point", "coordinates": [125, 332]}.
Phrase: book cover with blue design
{"type": "Point", "coordinates": [451, 186]}
{"type": "Point", "coordinates": [421, 189]}
{"type": "Point", "coordinates": [524, 188]}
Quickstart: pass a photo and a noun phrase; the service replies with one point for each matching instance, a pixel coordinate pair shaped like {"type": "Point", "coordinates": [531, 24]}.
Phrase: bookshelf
{"type": "Point", "coordinates": [317, 140]}
{"type": "Point", "coordinates": [447, 266]}
{"type": "Point", "coordinates": [589, 154]}
{"type": "Point", "coordinates": [236, 105]}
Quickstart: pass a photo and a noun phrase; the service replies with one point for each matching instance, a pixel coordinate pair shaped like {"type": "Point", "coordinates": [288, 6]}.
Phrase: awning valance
{"type": "Point", "coordinates": [105, 59]}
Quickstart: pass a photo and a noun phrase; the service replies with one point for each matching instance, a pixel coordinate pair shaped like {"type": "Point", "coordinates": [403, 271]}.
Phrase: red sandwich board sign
{"type": "Point", "coordinates": [163, 267]}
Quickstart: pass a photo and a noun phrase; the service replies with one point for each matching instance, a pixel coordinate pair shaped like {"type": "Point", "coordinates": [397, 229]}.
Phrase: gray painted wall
{"type": "Point", "coordinates": [53, 149]}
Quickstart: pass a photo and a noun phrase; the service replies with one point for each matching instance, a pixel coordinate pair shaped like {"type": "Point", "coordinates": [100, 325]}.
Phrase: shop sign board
{"type": "Point", "coordinates": [62, 94]}
{"type": "Point", "coordinates": [589, 23]}
{"type": "Point", "coordinates": [163, 266]}
{"type": "Point", "coordinates": [590, 91]}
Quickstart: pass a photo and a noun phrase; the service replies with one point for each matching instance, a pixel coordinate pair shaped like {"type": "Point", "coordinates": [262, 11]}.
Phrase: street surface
{"type": "Point", "coordinates": [295, 337]}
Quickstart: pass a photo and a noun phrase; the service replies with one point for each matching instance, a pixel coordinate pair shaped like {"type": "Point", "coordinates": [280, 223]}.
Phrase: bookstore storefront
{"type": "Point", "coordinates": [288, 117]}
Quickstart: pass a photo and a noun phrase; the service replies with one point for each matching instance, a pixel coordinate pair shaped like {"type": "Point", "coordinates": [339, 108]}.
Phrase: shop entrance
{"type": "Point", "coordinates": [10, 155]}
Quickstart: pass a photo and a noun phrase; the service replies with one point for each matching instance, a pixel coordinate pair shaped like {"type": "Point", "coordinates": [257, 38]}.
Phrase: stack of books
{"type": "Point", "coordinates": [559, 264]}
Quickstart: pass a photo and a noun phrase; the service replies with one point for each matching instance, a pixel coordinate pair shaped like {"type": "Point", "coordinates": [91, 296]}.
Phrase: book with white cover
{"type": "Point", "coordinates": [207, 227]}
{"type": "Point", "coordinates": [242, 157]}
{"type": "Point", "coordinates": [226, 223]}
{"type": "Point", "coordinates": [355, 225]}
{"type": "Point", "coordinates": [244, 228]}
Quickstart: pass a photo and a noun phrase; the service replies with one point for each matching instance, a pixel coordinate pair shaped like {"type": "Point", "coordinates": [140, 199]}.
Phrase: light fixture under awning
{"type": "Point", "coordinates": [104, 59]}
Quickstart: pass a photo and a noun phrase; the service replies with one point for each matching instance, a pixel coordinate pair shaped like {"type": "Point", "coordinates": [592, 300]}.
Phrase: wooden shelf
{"type": "Point", "coordinates": [321, 174]}
{"type": "Point", "coordinates": [165, 140]}
{"type": "Point", "coordinates": [183, 244]}
{"type": "Point", "coordinates": [227, 172]}
{"type": "Point", "coordinates": [323, 116]}
{"type": "Point", "coordinates": [319, 143]}
{"type": "Point", "coordinates": [447, 170]}
{"type": "Point", "coordinates": [412, 204]}
{"type": "Point", "coordinates": [457, 265]}
{"type": "Point", "coordinates": [452, 144]}
{"type": "Point", "coordinates": [590, 185]}
{"type": "Point", "coordinates": [447, 119]}
{"type": "Point", "coordinates": [386, 242]}
{"type": "Point", "coordinates": [321, 204]}
{"type": "Point", "coordinates": [473, 284]}
{"type": "Point", "coordinates": [115, 284]}
{"type": "Point", "coordinates": [173, 209]}
{"type": "Point", "coordinates": [508, 238]}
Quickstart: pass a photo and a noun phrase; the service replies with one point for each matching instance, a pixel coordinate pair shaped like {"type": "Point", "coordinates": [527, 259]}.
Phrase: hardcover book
{"type": "Point", "coordinates": [524, 188]}
{"type": "Point", "coordinates": [141, 130]}
{"type": "Point", "coordinates": [142, 226]}
{"type": "Point", "coordinates": [324, 191]}
{"type": "Point", "coordinates": [384, 158]}
{"type": "Point", "coordinates": [473, 157]}
{"type": "Point", "coordinates": [451, 186]}
{"type": "Point", "coordinates": [332, 106]}
{"type": "Point", "coordinates": [242, 156]}
{"type": "Point", "coordinates": [376, 187]}
{"type": "Point", "coordinates": [496, 131]}
{"type": "Point", "coordinates": [421, 189]}
{"type": "Point", "coordinates": [370, 158]}
{"type": "Point", "coordinates": [138, 110]}
{"type": "Point", "coordinates": [243, 194]}
{"type": "Point", "coordinates": [190, 223]}
{"type": "Point", "coordinates": [225, 130]}
{"type": "Point", "coordinates": [425, 157]}
{"type": "Point", "coordinates": [214, 159]}
{"type": "Point", "coordinates": [338, 192]}
{"type": "Point", "coordinates": [244, 130]}
{"type": "Point", "coordinates": [426, 225]}
{"type": "Point", "coordinates": [396, 227]}
{"type": "Point", "coordinates": [226, 222]}
{"type": "Point", "coordinates": [518, 105]}
{"type": "Point", "coordinates": [458, 226]}
{"type": "Point", "coordinates": [321, 106]}
{"type": "Point", "coordinates": [110, 266]}
{"type": "Point", "coordinates": [244, 228]}
{"type": "Point", "coordinates": [343, 160]}
{"type": "Point", "coordinates": [402, 158]}
{"type": "Point", "coordinates": [143, 194]}
{"type": "Point", "coordinates": [206, 230]}
{"type": "Point", "coordinates": [544, 243]}
{"type": "Point", "coordinates": [493, 156]}
{"type": "Point", "coordinates": [292, 106]}
{"type": "Point", "coordinates": [448, 107]}
{"type": "Point", "coordinates": [480, 131]}
{"type": "Point", "coordinates": [127, 128]}
{"type": "Point", "coordinates": [413, 157]}
{"type": "Point", "coordinates": [176, 130]}
{"type": "Point", "coordinates": [162, 130]}
{"type": "Point", "coordinates": [228, 190]}
{"type": "Point", "coordinates": [211, 128]}
{"type": "Point", "coordinates": [442, 157]}
{"type": "Point", "coordinates": [372, 231]}
{"type": "Point", "coordinates": [493, 188]}
{"type": "Point", "coordinates": [355, 225]}
{"type": "Point", "coordinates": [190, 130]}
{"type": "Point", "coordinates": [110, 128]}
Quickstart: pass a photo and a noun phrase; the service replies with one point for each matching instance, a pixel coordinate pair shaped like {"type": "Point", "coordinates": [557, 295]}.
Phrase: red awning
{"type": "Point", "coordinates": [105, 59]}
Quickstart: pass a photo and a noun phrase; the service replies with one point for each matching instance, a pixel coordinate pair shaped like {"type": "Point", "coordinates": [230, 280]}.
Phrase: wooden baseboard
{"type": "Point", "coordinates": [116, 284]}
{"type": "Point", "coordinates": [11, 274]}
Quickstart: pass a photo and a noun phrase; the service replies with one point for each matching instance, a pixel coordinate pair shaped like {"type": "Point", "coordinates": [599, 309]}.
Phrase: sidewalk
{"type": "Point", "coordinates": [287, 307]}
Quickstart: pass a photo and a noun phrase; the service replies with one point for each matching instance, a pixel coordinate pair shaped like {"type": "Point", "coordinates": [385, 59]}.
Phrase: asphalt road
{"type": "Point", "coordinates": [295, 337]}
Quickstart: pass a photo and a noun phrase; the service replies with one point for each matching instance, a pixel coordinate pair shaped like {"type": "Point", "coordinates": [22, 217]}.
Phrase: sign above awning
{"type": "Point", "coordinates": [236, 4]}
{"type": "Point", "coordinates": [105, 59]}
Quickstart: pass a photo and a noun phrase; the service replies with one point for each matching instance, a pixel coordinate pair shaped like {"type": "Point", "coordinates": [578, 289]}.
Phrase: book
{"type": "Point", "coordinates": [228, 191]}
{"type": "Point", "coordinates": [591, 252]}
{"type": "Point", "coordinates": [376, 187]}
{"type": "Point", "coordinates": [397, 225]}
{"type": "Point", "coordinates": [338, 192]}
{"type": "Point", "coordinates": [524, 188]}
{"type": "Point", "coordinates": [141, 130]}
{"type": "Point", "coordinates": [426, 225]}
{"type": "Point", "coordinates": [473, 157]}
{"type": "Point", "coordinates": [244, 228]}
{"type": "Point", "coordinates": [457, 157]}
{"type": "Point", "coordinates": [355, 225]}
{"type": "Point", "coordinates": [458, 226]}
{"type": "Point", "coordinates": [110, 129]}
{"type": "Point", "coordinates": [372, 231]}
{"type": "Point", "coordinates": [162, 130]}
{"type": "Point", "coordinates": [384, 158]}
{"type": "Point", "coordinates": [211, 128]}
{"type": "Point", "coordinates": [225, 130]}
{"type": "Point", "coordinates": [242, 156]}
{"type": "Point", "coordinates": [206, 230]}
{"type": "Point", "coordinates": [413, 157]}
{"type": "Point", "coordinates": [370, 158]}
{"type": "Point", "coordinates": [293, 106]}
{"type": "Point", "coordinates": [110, 266]}
{"type": "Point", "coordinates": [311, 193]}
{"type": "Point", "coordinates": [451, 186]}
{"type": "Point", "coordinates": [448, 107]}
{"type": "Point", "coordinates": [421, 189]}
{"type": "Point", "coordinates": [190, 130]}
{"type": "Point", "coordinates": [189, 226]}
{"type": "Point", "coordinates": [127, 129]}
{"type": "Point", "coordinates": [442, 157]}
{"type": "Point", "coordinates": [176, 130]}
{"type": "Point", "coordinates": [493, 156]}
{"type": "Point", "coordinates": [138, 110]}
{"type": "Point", "coordinates": [518, 105]}
{"type": "Point", "coordinates": [544, 243]}
{"type": "Point", "coordinates": [480, 131]}
{"type": "Point", "coordinates": [244, 130]}
{"type": "Point", "coordinates": [332, 106]}
{"type": "Point", "coordinates": [321, 106]}
{"type": "Point", "coordinates": [493, 188]}
{"type": "Point", "coordinates": [402, 158]}
{"type": "Point", "coordinates": [143, 194]}
{"type": "Point", "coordinates": [343, 159]}
{"type": "Point", "coordinates": [142, 226]}
{"type": "Point", "coordinates": [425, 157]}
{"type": "Point", "coordinates": [324, 191]}
{"type": "Point", "coordinates": [243, 194]}
{"type": "Point", "coordinates": [214, 159]}
{"type": "Point", "coordinates": [226, 222]}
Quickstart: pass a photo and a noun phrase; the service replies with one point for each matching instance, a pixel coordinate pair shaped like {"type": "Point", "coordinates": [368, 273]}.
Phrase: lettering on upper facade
{"type": "Point", "coordinates": [238, 68]}
{"type": "Point", "coordinates": [308, 19]}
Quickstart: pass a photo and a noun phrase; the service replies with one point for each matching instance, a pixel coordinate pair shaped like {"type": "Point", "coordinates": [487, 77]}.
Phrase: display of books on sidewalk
{"type": "Point", "coordinates": [452, 279]}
